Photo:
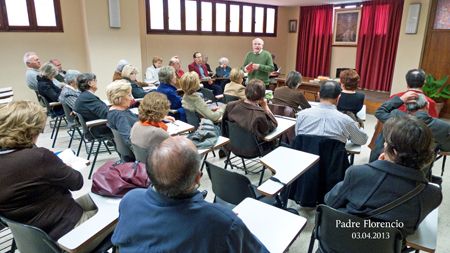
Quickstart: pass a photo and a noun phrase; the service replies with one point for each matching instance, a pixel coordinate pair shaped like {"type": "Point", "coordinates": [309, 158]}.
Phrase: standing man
{"type": "Point", "coordinates": [258, 63]}
{"type": "Point", "coordinates": [33, 64]}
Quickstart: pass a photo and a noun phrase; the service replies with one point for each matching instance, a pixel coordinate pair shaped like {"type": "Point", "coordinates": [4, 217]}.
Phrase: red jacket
{"type": "Point", "coordinates": [431, 104]}
{"type": "Point", "coordinates": [194, 67]}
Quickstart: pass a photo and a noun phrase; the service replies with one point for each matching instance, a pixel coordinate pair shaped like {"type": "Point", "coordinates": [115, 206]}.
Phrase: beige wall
{"type": "Point", "coordinates": [410, 47]}
{"type": "Point", "coordinates": [69, 47]}
{"type": "Point", "coordinates": [342, 57]}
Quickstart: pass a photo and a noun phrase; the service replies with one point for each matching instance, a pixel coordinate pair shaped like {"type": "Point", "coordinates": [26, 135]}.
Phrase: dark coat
{"type": "Point", "coordinates": [92, 108]}
{"type": "Point", "coordinates": [47, 89]}
{"type": "Point", "coordinates": [310, 188]}
{"type": "Point", "coordinates": [366, 188]}
{"type": "Point", "coordinates": [290, 97]}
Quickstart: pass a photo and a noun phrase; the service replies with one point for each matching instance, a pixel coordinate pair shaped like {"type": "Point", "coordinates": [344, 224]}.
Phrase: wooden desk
{"type": "Point", "coordinates": [287, 165]}
{"type": "Point", "coordinates": [178, 127]}
{"type": "Point", "coordinates": [80, 238]}
{"type": "Point", "coordinates": [284, 123]}
{"type": "Point", "coordinates": [274, 227]}
{"type": "Point", "coordinates": [425, 236]}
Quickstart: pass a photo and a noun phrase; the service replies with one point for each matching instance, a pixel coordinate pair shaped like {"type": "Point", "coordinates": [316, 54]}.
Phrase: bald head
{"type": "Point", "coordinates": [175, 165]}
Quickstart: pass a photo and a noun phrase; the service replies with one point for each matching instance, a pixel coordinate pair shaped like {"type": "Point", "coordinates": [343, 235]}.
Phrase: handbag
{"type": "Point", "coordinates": [114, 179]}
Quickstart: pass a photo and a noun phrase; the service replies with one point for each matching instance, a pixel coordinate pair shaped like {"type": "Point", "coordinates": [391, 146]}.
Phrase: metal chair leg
{"type": "Point", "coordinates": [262, 175]}
{"type": "Point", "coordinates": [57, 130]}
{"type": "Point", "coordinates": [95, 159]}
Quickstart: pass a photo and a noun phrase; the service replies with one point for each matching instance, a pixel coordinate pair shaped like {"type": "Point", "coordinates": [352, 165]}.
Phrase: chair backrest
{"type": "Point", "coordinates": [229, 98]}
{"type": "Point", "coordinates": [242, 142]}
{"type": "Point", "coordinates": [229, 186]}
{"type": "Point", "coordinates": [126, 154]}
{"type": "Point", "coordinates": [334, 237]}
{"type": "Point", "coordinates": [192, 118]}
{"type": "Point", "coordinates": [67, 113]}
{"type": "Point", "coordinates": [79, 118]}
{"type": "Point", "coordinates": [208, 94]}
{"type": "Point", "coordinates": [140, 153]}
{"type": "Point", "coordinates": [31, 239]}
{"type": "Point", "coordinates": [39, 98]}
{"type": "Point", "coordinates": [282, 110]}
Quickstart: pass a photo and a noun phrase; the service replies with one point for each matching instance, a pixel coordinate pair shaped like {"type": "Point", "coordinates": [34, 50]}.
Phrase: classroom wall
{"type": "Point", "coordinates": [69, 47]}
{"type": "Point", "coordinates": [411, 46]}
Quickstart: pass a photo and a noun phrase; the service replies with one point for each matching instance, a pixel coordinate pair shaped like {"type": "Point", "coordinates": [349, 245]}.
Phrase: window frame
{"type": "Point", "coordinates": [183, 31]}
{"type": "Point", "coordinates": [32, 19]}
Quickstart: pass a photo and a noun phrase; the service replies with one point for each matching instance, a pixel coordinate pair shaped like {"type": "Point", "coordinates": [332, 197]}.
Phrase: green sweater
{"type": "Point", "coordinates": [264, 59]}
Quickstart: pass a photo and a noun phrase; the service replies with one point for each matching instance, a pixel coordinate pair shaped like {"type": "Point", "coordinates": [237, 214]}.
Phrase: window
{"type": "Point", "coordinates": [30, 16]}
{"type": "Point", "coordinates": [216, 17]}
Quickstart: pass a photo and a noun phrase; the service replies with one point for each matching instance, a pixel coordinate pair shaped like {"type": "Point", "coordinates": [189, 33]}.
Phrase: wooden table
{"type": "Point", "coordinates": [274, 227]}
{"type": "Point", "coordinates": [80, 238]}
{"type": "Point", "coordinates": [284, 123]}
{"type": "Point", "coordinates": [178, 127]}
{"type": "Point", "coordinates": [425, 236]}
{"type": "Point", "coordinates": [287, 165]}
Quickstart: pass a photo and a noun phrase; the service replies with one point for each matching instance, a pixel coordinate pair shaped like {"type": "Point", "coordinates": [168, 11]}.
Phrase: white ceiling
{"type": "Point", "coordinates": [297, 2]}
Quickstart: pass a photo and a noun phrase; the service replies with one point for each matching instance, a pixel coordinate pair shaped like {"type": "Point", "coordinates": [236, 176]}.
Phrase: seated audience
{"type": "Point", "coordinates": [129, 73]}
{"type": "Point", "coordinates": [175, 63]}
{"type": "Point", "coordinates": [150, 130]}
{"type": "Point", "coordinates": [416, 105]}
{"type": "Point", "coordinates": [69, 93]}
{"type": "Point", "coordinates": [409, 150]}
{"type": "Point", "coordinates": [89, 105]}
{"type": "Point", "coordinates": [61, 72]}
{"type": "Point", "coordinates": [289, 95]}
{"type": "Point", "coordinates": [167, 82]}
{"type": "Point", "coordinates": [223, 72]}
{"type": "Point", "coordinates": [200, 68]}
{"type": "Point", "coordinates": [208, 67]}
{"type": "Point", "coordinates": [35, 185]}
{"type": "Point", "coordinates": [151, 74]}
{"type": "Point", "coordinates": [350, 100]}
{"type": "Point", "coordinates": [415, 79]}
{"type": "Point", "coordinates": [118, 72]}
{"type": "Point", "coordinates": [33, 64]}
{"type": "Point", "coordinates": [326, 120]}
{"type": "Point", "coordinates": [120, 118]}
{"type": "Point", "coordinates": [192, 101]}
{"type": "Point", "coordinates": [253, 113]}
{"type": "Point", "coordinates": [235, 87]}
{"type": "Point", "coordinates": [195, 225]}
{"type": "Point", "coordinates": [46, 88]}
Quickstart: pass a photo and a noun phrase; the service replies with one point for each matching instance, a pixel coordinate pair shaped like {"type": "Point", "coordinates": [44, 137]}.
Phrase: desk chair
{"type": "Point", "coordinates": [192, 118]}
{"type": "Point", "coordinates": [54, 110]}
{"type": "Point", "coordinates": [125, 152]}
{"type": "Point", "coordinates": [244, 145]}
{"type": "Point", "coordinates": [229, 98]}
{"type": "Point", "coordinates": [6, 239]}
{"type": "Point", "coordinates": [333, 238]}
{"type": "Point", "coordinates": [72, 124]}
{"type": "Point", "coordinates": [286, 111]}
{"type": "Point", "coordinates": [31, 239]}
{"type": "Point", "coordinates": [89, 136]}
{"type": "Point", "coordinates": [232, 187]}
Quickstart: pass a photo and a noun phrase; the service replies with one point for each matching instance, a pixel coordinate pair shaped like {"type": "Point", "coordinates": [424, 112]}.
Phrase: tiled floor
{"type": "Point", "coordinates": [302, 242]}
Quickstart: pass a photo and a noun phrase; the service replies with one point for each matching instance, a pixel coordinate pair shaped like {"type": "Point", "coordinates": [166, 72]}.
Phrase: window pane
{"type": "Point", "coordinates": [191, 15]}
{"type": "Point", "coordinates": [247, 19]}
{"type": "Point", "coordinates": [207, 16]}
{"type": "Point", "coordinates": [259, 18]}
{"type": "Point", "coordinates": [156, 14]}
{"type": "Point", "coordinates": [221, 15]}
{"type": "Point", "coordinates": [234, 18]}
{"type": "Point", "coordinates": [45, 12]}
{"type": "Point", "coordinates": [174, 14]}
{"type": "Point", "coordinates": [270, 20]}
{"type": "Point", "coordinates": [17, 12]}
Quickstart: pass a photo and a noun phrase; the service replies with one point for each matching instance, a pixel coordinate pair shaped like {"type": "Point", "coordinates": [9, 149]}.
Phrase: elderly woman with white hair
{"type": "Point", "coordinates": [223, 72]}
{"type": "Point", "coordinates": [120, 118]}
{"type": "Point", "coordinates": [46, 88]}
{"type": "Point", "coordinates": [69, 93]}
{"type": "Point", "coordinates": [129, 73]}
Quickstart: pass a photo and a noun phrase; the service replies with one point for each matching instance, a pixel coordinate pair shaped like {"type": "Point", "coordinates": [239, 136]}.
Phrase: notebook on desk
{"type": "Point", "coordinates": [69, 158]}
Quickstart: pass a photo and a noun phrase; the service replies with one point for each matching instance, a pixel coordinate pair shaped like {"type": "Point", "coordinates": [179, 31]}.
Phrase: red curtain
{"type": "Point", "coordinates": [377, 43]}
{"type": "Point", "coordinates": [314, 40]}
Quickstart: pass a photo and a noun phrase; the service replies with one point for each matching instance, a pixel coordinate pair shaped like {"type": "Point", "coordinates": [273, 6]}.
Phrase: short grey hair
{"type": "Point", "coordinates": [27, 56]}
{"type": "Point", "coordinates": [420, 103]}
{"type": "Point", "coordinates": [165, 74]}
{"type": "Point", "coordinates": [71, 76]}
{"type": "Point", "coordinates": [121, 64]}
{"type": "Point", "coordinates": [293, 79]}
{"type": "Point", "coordinates": [48, 70]}
{"type": "Point", "coordinates": [223, 60]}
